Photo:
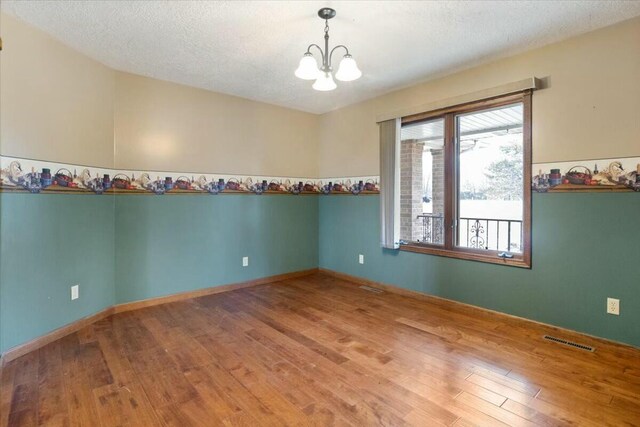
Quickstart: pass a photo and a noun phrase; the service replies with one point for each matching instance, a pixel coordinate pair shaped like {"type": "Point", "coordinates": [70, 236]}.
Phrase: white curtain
{"type": "Point", "coordinates": [390, 183]}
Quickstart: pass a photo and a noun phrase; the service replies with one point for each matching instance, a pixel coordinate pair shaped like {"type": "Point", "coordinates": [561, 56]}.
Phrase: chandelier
{"type": "Point", "coordinates": [323, 76]}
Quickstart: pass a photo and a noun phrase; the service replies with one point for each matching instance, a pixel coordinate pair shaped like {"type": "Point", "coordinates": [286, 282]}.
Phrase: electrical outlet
{"type": "Point", "coordinates": [613, 306]}
{"type": "Point", "coordinates": [75, 292]}
{"type": "Point", "coordinates": [245, 261]}
{"type": "Point", "coordinates": [361, 259]}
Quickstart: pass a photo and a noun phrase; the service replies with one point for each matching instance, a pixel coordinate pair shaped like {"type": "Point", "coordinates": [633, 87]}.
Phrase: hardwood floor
{"type": "Point", "coordinates": [319, 351]}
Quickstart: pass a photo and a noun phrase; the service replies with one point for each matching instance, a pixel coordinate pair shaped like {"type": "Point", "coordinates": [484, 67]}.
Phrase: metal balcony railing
{"type": "Point", "coordinates": [432, 229]}
{"type": "Point", "coordinates": [477, 233]}
{"type": "Point", "coordinates": [491, 234]}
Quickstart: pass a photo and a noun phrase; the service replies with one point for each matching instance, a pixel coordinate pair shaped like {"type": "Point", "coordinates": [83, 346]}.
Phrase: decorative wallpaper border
{"type": "Point", "coordinates": [588, 175]}
{"type": "Point", "coordinates": [35, 176]}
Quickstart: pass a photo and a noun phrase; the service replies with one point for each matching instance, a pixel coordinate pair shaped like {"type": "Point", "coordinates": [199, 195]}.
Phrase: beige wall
{"type": "Point", "coordinates": [55, 103]}
{"type": "Point", "coordinates": [166, 126]}
{"type": "Point", "coordinates": [590, 110]}
{"type": "Point", "coordinates": [58, 105]}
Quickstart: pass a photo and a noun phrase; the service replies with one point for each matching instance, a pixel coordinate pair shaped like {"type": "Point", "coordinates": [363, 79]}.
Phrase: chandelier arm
{"type": "Point", "coordinates": [331, 54]}
{"type": "Point", "coordinates": [319, 48]}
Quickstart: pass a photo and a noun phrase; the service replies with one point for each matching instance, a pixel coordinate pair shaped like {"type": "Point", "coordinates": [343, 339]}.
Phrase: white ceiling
{"type": "Point", "coordinates": [251, 48]}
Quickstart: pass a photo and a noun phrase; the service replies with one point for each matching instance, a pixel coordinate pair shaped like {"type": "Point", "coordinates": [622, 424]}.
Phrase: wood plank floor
{"type": "Point", "coordinates": [319, 351]}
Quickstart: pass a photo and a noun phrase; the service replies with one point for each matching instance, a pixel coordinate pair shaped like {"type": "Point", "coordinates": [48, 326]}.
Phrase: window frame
{"type": "Point", "coordinates": [451, 182]}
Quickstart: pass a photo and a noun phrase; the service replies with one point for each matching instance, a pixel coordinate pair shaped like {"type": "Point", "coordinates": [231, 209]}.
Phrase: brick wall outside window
{"type": "Point", "coordinates": [411, 189]}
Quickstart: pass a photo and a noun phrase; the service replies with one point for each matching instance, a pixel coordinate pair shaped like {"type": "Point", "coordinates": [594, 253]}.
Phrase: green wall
{"type": "Point", "coordinates": [586, 247]}
{"type": "Point", "coordinates": [48, 243]}
{"type": "Point", "coordinates": [129, 247]}
{"type": "Point", "coordinates": [172, 244]}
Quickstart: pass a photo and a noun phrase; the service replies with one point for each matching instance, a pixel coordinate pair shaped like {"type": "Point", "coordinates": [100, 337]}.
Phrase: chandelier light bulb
{"type": "Point", "coordinates": [348, 69]}
{"type": "Point", "coordinates": [324, 82]}
{"type": "Point", "coordinates": [308, 68]}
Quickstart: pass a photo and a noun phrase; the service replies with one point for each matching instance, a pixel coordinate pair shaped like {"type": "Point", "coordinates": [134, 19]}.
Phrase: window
{"type": "Point", "coordinates": [465, 185]}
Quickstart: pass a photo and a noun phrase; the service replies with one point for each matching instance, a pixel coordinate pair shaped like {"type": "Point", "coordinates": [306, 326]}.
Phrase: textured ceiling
{"type": "Point", "coordinates": [250, 49]}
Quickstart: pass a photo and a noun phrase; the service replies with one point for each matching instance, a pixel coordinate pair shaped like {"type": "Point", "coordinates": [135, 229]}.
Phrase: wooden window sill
{"type": "Point", "coordinates": [468, 254]}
